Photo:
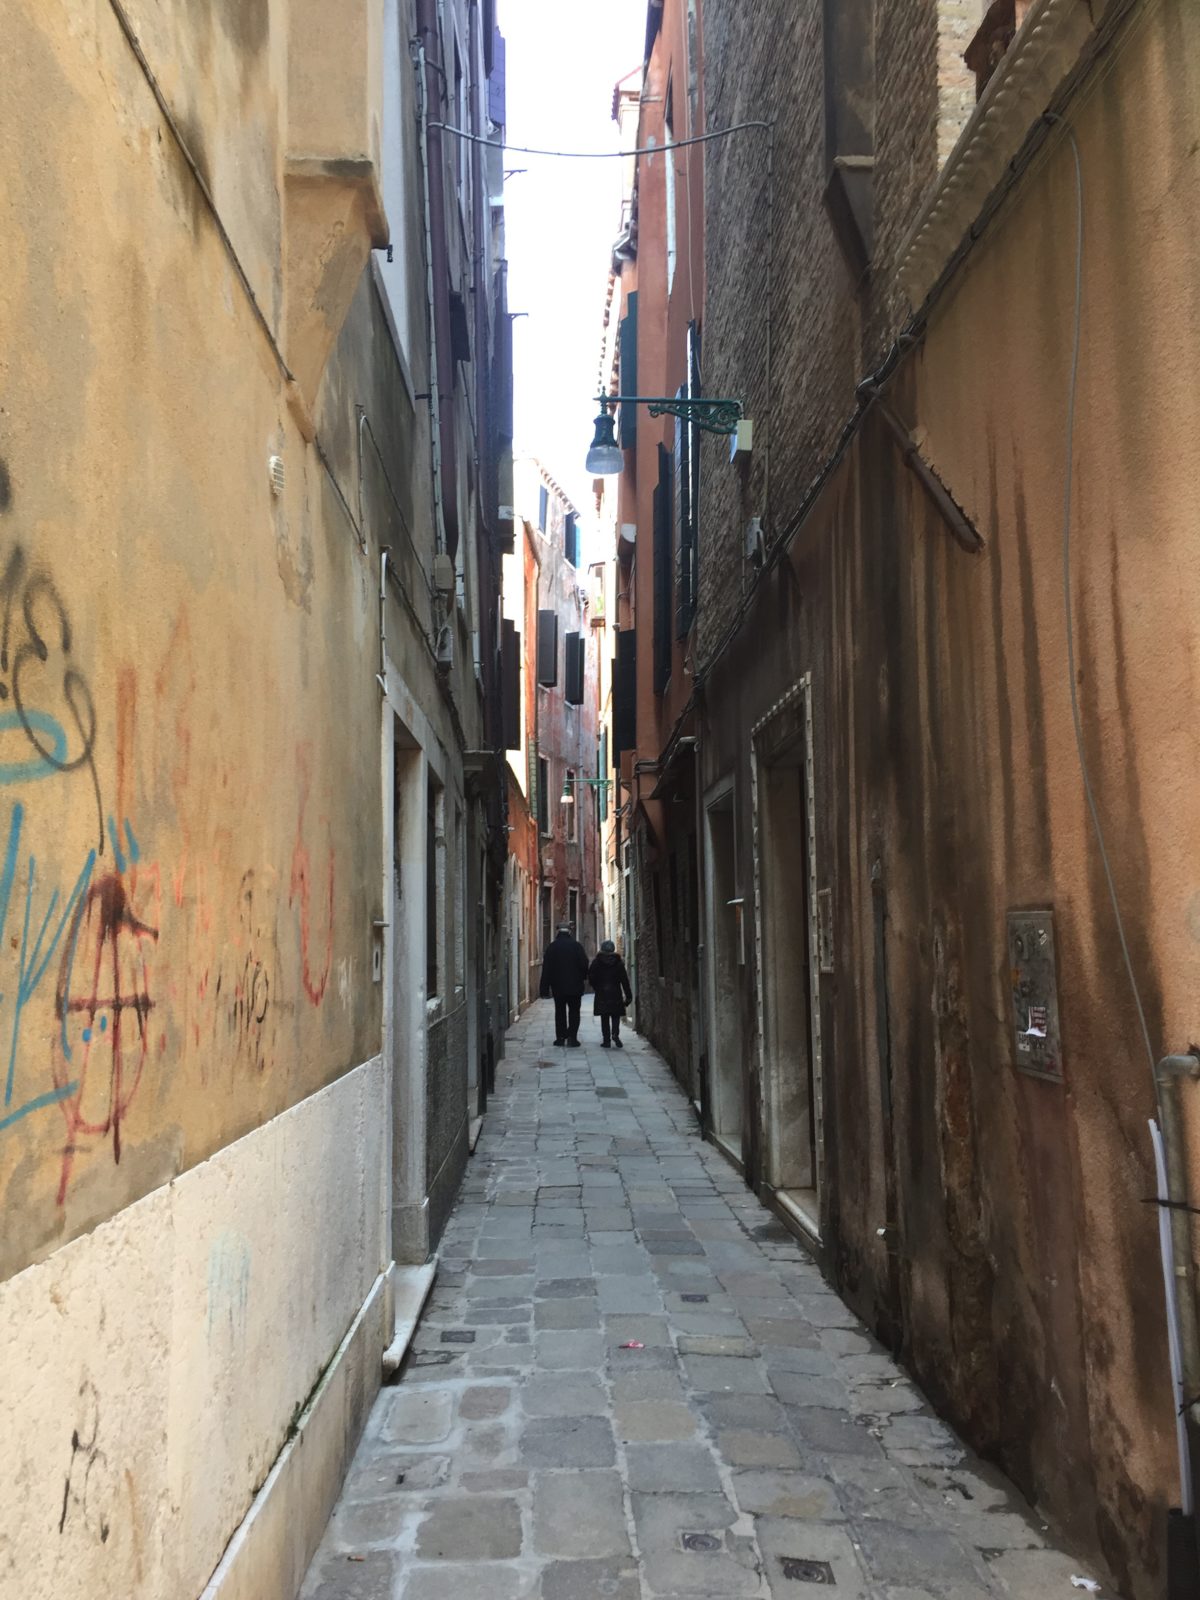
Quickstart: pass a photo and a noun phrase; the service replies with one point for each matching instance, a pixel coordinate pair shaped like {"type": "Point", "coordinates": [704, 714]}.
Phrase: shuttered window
{"type": "Point", "coordinates": [628, 371]}
{"type": "Point", "coordinates": [687, 497]}
{"type": "Point", "coordinates": [663, 563]}
{"type": "Point", "coordinates": [624, 694]}
{"type": "Point", "coordinates": [574, 665]}
{"type": "Point", "coordinates": [547, 649]}
{"type": "Point", "coordinates": [510, 683]}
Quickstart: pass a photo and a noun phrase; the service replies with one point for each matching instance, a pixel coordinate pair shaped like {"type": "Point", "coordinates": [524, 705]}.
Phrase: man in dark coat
{"type": "Point", "coordinates": [609, 979]}
{"type": "Point", "coordinates": [564, 973]}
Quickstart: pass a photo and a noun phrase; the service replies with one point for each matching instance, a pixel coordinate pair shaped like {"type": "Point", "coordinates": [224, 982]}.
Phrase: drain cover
{"type": "Point", "coordinates": [695, 1299]}
{"type": "Point", "coordinates": [434, 1358]}
{"type": "Point", "coordinates": [700, 1543]}
{"type": "Point", "coordinates": [612, 1094]}
{"type": "Point", "coordinates": [803, 1570]}
{"type": "Point", "coordinates": [459, 1336]}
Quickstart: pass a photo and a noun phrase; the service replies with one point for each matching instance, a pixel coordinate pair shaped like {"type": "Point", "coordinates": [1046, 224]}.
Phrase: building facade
{"type": "Point", "coordinates": [559, 795]}
{"type": "Point", "coordinates": [254, 806]}
{"type": "Point", "coordinates": [925, 600]}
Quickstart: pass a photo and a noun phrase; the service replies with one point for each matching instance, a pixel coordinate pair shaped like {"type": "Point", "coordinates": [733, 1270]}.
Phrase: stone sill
{"type": "Point", "coordinates": [1049, 44]}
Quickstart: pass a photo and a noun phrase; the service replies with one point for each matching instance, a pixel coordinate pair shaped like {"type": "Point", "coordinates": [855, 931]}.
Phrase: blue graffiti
{"type": "Point", "coordinates": [40, 765]}
{"type": "Point", "coordinates": [33, 961]}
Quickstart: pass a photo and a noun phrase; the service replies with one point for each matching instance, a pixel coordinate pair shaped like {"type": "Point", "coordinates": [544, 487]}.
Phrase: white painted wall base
{"type": "Point", "coordinates": [152, 1370]}
{"type": "Point", "coordinates": [269, 1554]}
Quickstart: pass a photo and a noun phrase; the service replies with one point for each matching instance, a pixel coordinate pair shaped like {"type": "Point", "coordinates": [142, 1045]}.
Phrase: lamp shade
{"type": "Point", "coordinates": [604, 459]}
{"type": "Point", "coordinates": [568, 799]}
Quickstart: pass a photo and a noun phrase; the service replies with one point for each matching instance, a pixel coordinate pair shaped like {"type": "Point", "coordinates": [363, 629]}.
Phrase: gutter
{"type": "Point", "coordinates": [430, 74]}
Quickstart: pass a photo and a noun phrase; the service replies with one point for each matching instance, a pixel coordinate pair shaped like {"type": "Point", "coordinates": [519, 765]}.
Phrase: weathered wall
{"type": "Point", "coordinates": [193, 1107]}
{"type": "Point", "coordinates": [182, 966]}
{"type": "Point", "coordinates": [1019, 1270]}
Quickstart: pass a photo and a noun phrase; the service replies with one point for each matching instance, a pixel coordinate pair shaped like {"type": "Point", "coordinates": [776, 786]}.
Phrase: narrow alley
{"type": "Point", "coordinates": [630, 1382]}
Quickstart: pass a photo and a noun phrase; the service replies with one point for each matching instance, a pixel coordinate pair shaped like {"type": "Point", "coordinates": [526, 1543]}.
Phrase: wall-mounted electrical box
{"type": "Point", "coordinates": [1033, 978]}
{"type": "Point", "coordinates": [741, 441]}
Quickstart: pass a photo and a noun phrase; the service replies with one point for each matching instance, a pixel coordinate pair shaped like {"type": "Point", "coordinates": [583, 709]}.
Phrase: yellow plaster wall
{"type": "Point", "coordinates": [189, 724]}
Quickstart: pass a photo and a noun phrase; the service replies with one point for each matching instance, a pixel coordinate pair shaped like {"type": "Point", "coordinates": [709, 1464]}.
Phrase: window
{"type": "Point", "coordinates": [663, 529]}
{"type": "Point", "coordinates": [849, 82]}
{"type": "Point", "coordinates": [510, 683]}
{"type": "Point", "coordinates": [435, 845]}
{"type": "Point", "coordinates": [547, 649]}
{"type": "Point", "coordinates": [670, 200]}
{"type": "Point", "coordinates": [624, 694]}
{"type": "Point", "coordinates": [543, 797]}
{"type": "Point", "coordinates": [569, 787]}
{"type": "Point", "coordinates": [686, 490]}
{"type": "Point", "coordinates": [547, 914]}
{"type": "Point", "coordinates": [543, 506]}
{"type": "Point", "coordinates": [575, 663]}
{"type": "Point", "coordinates": [573, 910]}
{"type": "Point", "coordinates": [460, 899]}
{"type": "Point", "coordinates": [628, 371]}
{"type": "Point", "coordinates": [571, 538]}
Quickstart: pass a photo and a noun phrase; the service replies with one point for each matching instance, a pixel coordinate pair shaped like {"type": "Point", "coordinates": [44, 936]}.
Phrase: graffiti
{"type": "Point", "coordinates": [314, 985]}
{"type": "Point", "coordinates": [110, 942]}
{"type": "Point", "coordinates": [36, 672]}
{"type": "Point", "coordinates": [251, 990]}
{"type": "Point", "coordinates": [80, 1495]}
{"type": "Point", "coordinates": [33, 959]}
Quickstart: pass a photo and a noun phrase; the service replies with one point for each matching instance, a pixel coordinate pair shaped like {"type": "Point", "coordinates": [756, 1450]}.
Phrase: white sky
{"type": "Point", "coordinates": [561, 217]}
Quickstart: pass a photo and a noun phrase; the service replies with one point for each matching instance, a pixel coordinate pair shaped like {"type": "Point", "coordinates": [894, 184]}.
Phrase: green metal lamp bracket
{"type": "Point", "coordinates": [712, 416]}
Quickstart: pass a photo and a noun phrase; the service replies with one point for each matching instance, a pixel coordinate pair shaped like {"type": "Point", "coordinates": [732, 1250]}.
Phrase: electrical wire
{"type": "Point", "coordinates": [599, 155]}
{"type": "Point", "coordinates": [1068, 609]}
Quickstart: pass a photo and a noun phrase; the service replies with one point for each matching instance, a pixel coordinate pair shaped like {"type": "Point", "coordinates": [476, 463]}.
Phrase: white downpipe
{"type": "Point", "coordinates": [435, 393]}
{"type": "Point", "coordinates": [1174, 1346]}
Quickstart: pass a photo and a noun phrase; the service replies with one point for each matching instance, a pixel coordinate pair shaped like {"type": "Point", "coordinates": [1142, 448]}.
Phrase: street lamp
{"type": "Point", "coordinates": [605, 459]}
{"type": "Point", "coordinates": [568, 799]}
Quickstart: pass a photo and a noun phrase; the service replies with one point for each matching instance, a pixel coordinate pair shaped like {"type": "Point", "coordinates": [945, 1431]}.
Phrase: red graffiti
{"type": "Point", "coordinates": [314, 986]}
{"type": "Point", "coordinates": [108, 946]}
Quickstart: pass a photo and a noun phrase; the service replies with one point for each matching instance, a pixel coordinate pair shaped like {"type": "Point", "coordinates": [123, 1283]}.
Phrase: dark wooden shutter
{"type": "Point", "coordinates": [624, 694]}
{"type": "Point", "coordinates": [571, 538]}
{"type": "Point", "coordinates": [684, 599]}
{"type": "Point", "coordinates": [602, 774]}
{"type": "Point", "coordinates": [663, 562]}
{"type": "Point", "coordinates": [510, 683]}
{"type": "Point", "coordinates": [628, 372]}
{"type": "Point", "coordinates": [547, 649]}
{"type": "Point", "coordinates": [694, 434]}
{"type": "Point", "coordinates": [574, 666]}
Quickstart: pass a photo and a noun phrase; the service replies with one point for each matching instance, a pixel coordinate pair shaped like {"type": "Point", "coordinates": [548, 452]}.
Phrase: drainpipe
{"type": "Point", "coordinates": [437, 279]}
{"type": "Point", "coordinates": [702, 1095]}
{"type": "Point", "coordinates": [1183, 1556]}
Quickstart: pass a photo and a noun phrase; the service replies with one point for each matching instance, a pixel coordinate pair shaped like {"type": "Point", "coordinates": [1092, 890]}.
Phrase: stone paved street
{"type": "Point", "coordinates": [631, 1383]}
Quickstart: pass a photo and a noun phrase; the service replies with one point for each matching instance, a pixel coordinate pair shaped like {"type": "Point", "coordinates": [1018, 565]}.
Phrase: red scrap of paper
{"type": "Point", "coordinates": [634, 1344]}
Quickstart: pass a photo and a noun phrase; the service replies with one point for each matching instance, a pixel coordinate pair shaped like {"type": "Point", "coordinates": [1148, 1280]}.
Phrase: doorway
{"type": "Point", "coordinates": [726, 955]}
{"type": "Point", "coordinates": [788, 989]}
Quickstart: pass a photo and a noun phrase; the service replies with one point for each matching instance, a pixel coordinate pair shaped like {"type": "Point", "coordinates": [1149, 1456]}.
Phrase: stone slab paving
{"type": "Point", "coordinates": [630, 1383]}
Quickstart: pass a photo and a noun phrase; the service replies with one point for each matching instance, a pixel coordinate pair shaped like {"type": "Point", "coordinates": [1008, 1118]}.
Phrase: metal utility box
{"type": "Point", "coordinates": [1033, 978]}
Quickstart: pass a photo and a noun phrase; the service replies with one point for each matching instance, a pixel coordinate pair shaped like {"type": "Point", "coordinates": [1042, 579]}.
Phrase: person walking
{"type": "Point", "coordinates": [564, 974]}
{"type": "Point", "coordinates": [610, 981]}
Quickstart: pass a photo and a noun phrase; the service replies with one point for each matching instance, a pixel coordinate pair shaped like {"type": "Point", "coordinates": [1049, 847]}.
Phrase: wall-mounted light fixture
{"type": "Point", "coordinates": [568, 799]}
{"type": "Point", "coordinates": [605, 459]}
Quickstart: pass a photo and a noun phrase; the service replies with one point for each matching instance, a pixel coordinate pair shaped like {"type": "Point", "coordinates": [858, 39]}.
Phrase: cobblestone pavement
{"type": "Point", "coordinates": [630, 1383]}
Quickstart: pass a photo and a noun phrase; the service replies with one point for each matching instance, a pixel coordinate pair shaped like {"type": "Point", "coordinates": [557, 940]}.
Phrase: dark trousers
{"type": "Point", "coordinates": [610, 1026]}
{"type": "Point", "coordinates": [566, 1017]}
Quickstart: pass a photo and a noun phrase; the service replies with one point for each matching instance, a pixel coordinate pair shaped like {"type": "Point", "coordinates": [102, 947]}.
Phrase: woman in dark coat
{"type": "Point", "coordinates": [609, 979]}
